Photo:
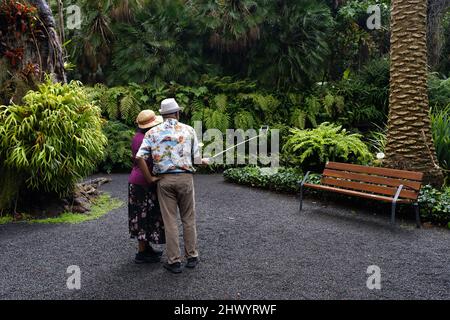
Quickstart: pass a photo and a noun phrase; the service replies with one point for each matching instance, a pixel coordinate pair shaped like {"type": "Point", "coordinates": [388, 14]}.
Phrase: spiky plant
{"type": "Point", "coordinates": [51, 141]}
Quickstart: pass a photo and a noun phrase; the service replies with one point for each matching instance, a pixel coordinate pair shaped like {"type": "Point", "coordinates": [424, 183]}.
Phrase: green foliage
{"type": "Point", "coordinates": [378, 139]}
{"type": "Point", "coordinates": [118, 151]}
{"type": "Point", "coordinates": [435, 204]}
{"type": "Point", "coordinates": [353, 45]}
{"type": "Point", "coordinates": [366, 95]}
{"type": "Point", "coordinates": [311, 149]}
{"type": "Point", "coordinates": [101, 206]}
{"type": "Point", "coordinates": [281, 179]}
{"type": "Point", "coordinates": [296, 40]}
{"type": "Point", "coordinates": [52, 140]}
{"type": "Point", "coordinates": [440, 122]}
{"type": "Point", "coordinates": [159, 46]}
{"type": "Point", "coordinates": [438, 92]}
{"type": "Point", "coordinates": [245, 120]}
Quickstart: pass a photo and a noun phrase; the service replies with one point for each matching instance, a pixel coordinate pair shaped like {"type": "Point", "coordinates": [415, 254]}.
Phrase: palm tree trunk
{"type": "Point", "coordinates": [409, 139]}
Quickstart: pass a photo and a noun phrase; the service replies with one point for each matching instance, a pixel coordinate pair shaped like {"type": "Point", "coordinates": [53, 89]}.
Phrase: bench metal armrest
{"type": "Point", "coordinates": [397, 194]}
{"type": "Point", "coordinates": [394, 203]}
{"type": "Point", "coordinates": [304, 179]}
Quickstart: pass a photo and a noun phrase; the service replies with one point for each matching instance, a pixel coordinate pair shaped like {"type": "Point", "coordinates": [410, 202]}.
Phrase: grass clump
{"type": "Point", "coordinates": [101, 206]}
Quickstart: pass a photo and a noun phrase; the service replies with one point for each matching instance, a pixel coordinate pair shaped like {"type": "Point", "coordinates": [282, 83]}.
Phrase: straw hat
{"type": "Point", "coordinates": [169, 106]}
{"type": "Point", "coordinates": [147, 119]}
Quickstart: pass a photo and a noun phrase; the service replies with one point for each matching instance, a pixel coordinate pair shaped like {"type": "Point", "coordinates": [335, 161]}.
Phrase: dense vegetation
{"type": "Point", "coordinates": [311, 68]}
{"type": "Point", "coordinates": [49, 142]}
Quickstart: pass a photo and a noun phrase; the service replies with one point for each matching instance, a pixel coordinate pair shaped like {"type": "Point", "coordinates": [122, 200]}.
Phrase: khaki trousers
{"type": "Point", "coordinates": [177, 191]}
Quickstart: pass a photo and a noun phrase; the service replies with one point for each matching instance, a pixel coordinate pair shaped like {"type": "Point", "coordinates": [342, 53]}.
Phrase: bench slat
{"type": "Point", "coordinates": [394, 173]}
{"type": "Point", "coordinates": [355, 193]}
{"type": "Point", "coordinates": [415, 185]}
{"type": "Point", "coordinates": [369, 188]}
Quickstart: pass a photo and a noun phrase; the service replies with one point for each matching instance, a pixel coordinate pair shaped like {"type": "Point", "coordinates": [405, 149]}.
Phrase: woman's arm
{"type": "Point", "coordinates": [144, 169]}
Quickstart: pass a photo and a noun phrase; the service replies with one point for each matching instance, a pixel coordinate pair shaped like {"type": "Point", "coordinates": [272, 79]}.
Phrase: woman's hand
{"type": "Point", "coordinates": [148, 177]}
{"type": "Point", "coordinates": [154, 179]}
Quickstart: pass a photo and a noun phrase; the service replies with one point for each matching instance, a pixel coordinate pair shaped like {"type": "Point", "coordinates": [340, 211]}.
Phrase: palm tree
{"type": "Point", "coordinates": [233, 25]}
{"type": "Point", "coordinates": [409, 139]}
{"type": "Point", "coordinates": [91, 47]}
{"type": "Point", "coordinates": [294, 45]}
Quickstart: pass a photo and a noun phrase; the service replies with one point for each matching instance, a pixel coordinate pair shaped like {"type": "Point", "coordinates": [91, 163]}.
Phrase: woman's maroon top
{"type": "Point", "coordinates": [136, 176]}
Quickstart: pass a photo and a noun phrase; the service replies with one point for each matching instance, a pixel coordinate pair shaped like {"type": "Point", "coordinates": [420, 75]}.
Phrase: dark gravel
{"type": "Point", "coordinates": [253, 244]}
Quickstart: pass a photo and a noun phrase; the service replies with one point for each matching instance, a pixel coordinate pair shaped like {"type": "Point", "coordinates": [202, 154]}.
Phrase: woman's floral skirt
{"type": "Point", "coordinates": [144, 215]}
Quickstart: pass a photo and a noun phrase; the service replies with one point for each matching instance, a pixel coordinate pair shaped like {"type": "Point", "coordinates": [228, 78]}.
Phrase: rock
{"type": "Point", "coordinates": [79, 209]}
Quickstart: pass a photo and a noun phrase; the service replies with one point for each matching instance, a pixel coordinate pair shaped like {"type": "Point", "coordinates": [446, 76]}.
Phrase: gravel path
{"type": "Point", "coordinates": [253, 244]}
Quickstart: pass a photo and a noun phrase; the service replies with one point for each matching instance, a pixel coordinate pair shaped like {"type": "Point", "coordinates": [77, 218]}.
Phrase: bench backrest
{"type": "Point", "coordinates": [382, 181]}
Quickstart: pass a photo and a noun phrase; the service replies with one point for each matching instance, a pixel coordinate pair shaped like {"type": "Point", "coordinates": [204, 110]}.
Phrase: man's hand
{"type": "Point", "coordinates": [205, 161]}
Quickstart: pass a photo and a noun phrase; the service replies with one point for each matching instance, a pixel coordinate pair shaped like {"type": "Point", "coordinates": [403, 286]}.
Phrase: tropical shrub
{"type": "Point", "coordinates": [50, 142]}
{"type": "Point", "coordinates": [279, 179]}
{"type": "Point", "coordinates": [435, 204]}
{"type": "Point", "coordinates": [295, 38]}
{"type": "Point", "coordinates": [366, 95]}
{"type": "Point", "coordinates": [117, 156]}
{"type": "Point", "coordinates": [311, 149]}
{"type": "Point", "coordinates": [440, 123]}
{"type": "Point", "coordinates": [353, 44]}
{"type": "Point", "coordinates": [438, 92]}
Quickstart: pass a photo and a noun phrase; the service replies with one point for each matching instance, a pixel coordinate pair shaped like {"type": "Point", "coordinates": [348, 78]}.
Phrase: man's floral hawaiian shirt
{"type": "Point", "coordinates": [173, 147]}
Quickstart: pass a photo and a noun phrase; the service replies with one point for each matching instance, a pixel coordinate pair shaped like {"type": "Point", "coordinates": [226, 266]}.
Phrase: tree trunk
{"type": "Point", "coordinates": [29, 48]}
{"type": "Point", "coordinates": [51, 51]}
{"type": "Point", "coordinates": [409, 139]}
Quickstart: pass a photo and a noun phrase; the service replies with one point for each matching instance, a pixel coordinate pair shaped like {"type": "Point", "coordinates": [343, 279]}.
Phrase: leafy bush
{"type": "Point", "coordinates": [438, 92]}
{"type": "Point", "coordinates": [435, 204]}
{"type": "Point", "coordinates": [311, 149]}
{"type": "Point", "coordinates": [50, 141]}
{"type": "Point", "coordinates": [118, 150]}
{"type": "Point", "coordinates": [440, 122]}
{"type": "Point", "coordinates": [283, 179]}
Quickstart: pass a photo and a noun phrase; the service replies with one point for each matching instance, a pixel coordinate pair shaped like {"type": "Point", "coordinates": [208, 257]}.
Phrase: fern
{"type": "Point", "coordinates": [215, 119]}
{"type": "Point", "coordinates": [221, 102]}
{"type": "Point", "coordinates": [244, 120]}
{"type": "Point", "coordinates": [310, 149]}
{"type": "Point", "coordinates": [298, 119]}
{"type": "Point", "coordinates": [129, 108]}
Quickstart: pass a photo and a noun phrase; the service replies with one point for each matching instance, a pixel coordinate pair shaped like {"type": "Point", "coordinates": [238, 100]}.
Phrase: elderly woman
{"type": "Point", "coordinates": [145, 221]}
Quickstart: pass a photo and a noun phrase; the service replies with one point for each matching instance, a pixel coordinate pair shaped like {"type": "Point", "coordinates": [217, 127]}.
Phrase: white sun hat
{"type": "Point", "coordinates": [169, 106]}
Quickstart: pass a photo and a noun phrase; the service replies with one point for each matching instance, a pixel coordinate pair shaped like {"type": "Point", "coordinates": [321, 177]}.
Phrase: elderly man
{"type": "Point", "coordinates": [173, 147]}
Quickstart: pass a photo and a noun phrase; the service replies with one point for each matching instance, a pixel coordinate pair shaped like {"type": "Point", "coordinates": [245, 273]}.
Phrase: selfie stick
{"type": "Point", "coordinates": [264, 130]}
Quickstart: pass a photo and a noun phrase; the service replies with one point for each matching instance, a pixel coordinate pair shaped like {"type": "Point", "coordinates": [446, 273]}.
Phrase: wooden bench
{"type": "Point", "coordinates": [382, 184]}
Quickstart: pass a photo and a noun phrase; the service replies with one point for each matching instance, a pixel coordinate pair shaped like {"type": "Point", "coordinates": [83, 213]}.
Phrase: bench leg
{"type": "Point", "coordinates": [394, 204]}
{"type": "Point", "coordinates": [301, 198]}
{"type": "Point", "coordinates": [417, 212]}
